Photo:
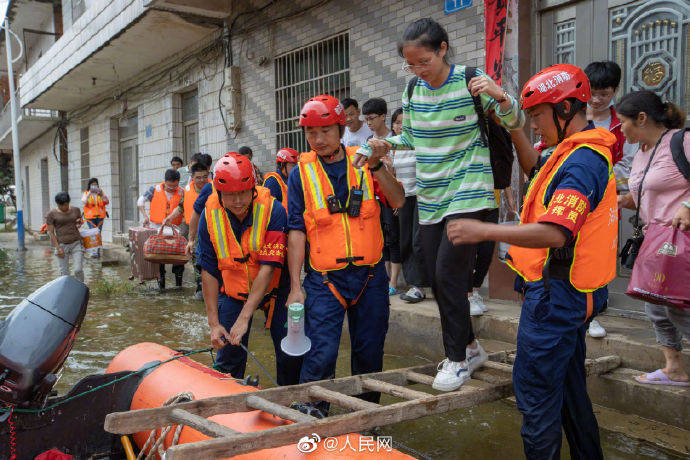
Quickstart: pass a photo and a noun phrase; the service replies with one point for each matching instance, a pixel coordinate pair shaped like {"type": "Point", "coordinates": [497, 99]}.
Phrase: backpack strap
{"type": "Point", "coordinates": [470, 73]}
{"type": "Point", "coordinates": [410, 87]}
{"type": "Point", "coordinates": [678, 152]}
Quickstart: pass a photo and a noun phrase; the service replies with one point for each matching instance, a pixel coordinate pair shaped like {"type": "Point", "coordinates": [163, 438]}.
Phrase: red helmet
{"type": "Point", "coordinates": [287, 155]}
{"type": "Point", "coordinates": [322, 110]}
{"type": "Point", "coordinates": [233, 173]}
{"type": "Point", "coordinates": [554, 84]}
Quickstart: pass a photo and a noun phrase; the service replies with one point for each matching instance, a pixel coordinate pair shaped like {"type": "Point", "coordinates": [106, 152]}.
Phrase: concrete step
{"type": "Point", "coordinates": [114, 255]}
{"type": "Point", "coordinates": [619, 390]}
{"type": "Point", "coordinates": [416, 328]}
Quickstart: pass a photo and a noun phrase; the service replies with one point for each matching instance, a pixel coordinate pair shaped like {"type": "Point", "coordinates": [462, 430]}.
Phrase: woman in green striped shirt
{"type": "Point", "coordinates": [454, 178]}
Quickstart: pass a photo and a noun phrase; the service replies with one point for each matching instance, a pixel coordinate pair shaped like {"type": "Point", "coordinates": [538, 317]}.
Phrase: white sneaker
{"type": "Point", "coordinates": [595, 330]}
{"type": "Point", "coordinates": [475, 308]}
{"type": "Point", "coordinates": [451, 375]}
{"type": "Point", "coordinates": [475, 357]}
{"type": "Point", "coordinates": [478, 301]}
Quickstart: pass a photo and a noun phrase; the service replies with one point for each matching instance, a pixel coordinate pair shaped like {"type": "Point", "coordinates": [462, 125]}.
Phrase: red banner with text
{"type": "Point", "coordinates": [495, 19]}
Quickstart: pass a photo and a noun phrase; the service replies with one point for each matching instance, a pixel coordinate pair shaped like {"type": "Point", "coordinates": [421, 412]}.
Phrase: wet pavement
{"type": "Point", "coordinates": [139, 313]}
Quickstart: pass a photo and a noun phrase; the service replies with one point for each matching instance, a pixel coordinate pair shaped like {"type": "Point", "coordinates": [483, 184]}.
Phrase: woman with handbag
{"type": "Point", "coordinates": [661, 194]}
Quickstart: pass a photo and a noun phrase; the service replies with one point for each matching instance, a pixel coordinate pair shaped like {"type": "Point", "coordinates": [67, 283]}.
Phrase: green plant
{"type": "Point", "coordinates": [106, 287]}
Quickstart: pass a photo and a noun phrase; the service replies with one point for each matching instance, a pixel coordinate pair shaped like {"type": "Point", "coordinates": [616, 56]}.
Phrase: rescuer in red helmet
{"type": "Point", "coordinates": [564, 252]}
{"type": "Point", "coordinates": [276, 182]}
{"type": "Point", "coordinates": [241, 251]}
{"type": "Point", "coordinates": [332, 206]}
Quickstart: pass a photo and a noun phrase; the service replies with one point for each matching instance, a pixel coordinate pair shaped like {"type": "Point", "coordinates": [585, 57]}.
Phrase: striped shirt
{"type": "Point", "coordinates": [453, 168]}
{"type": "Point", "coordinates": [405, 165]}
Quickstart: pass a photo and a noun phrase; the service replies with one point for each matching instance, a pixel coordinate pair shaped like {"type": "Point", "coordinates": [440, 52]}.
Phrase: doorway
{"type": "Point", "coordinates": [129, 171]}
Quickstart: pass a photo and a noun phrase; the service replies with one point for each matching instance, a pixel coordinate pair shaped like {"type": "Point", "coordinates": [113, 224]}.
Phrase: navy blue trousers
{"type": "Point", "coordinates": [232, 359]}
{"type": "Point", "coordinates": [550, 382]}
{"type": "Point", "coordinates": [367, 322]}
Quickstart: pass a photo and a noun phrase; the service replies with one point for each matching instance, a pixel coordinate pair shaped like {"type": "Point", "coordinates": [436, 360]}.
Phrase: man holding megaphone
{"type": "Point", "coordinates": [242, 244]}
{"type": "Point", "coordinates": [333, 211]}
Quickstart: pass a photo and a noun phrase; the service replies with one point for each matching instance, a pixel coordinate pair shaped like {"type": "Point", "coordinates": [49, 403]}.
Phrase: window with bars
{"type": "Point", "coordinates": [84, 152]}
{"type": "Point", "coordinates": [565, 42]}
{"type": "Point", "coordinates": [319, 68]}
{"type": "Point", "coordinates": [190, 121]}
{"type": "Point", "coordinates": [78, 7]}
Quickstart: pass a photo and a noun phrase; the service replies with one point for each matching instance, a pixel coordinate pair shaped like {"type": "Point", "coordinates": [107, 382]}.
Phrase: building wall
{"type": "Point", "coordinates": [375, 71]}
{"type": "Point", "coordinates": [32, 155]}
{"type": "Point", "coordinates": [375, 67]}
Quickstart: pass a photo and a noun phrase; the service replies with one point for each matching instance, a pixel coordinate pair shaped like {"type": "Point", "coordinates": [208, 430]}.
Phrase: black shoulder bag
{"type": "Point", "coordinates": [678, 152]}
{"type": "Point", "coordinates": [631, 248]}
{"type": "Point", "coordinates": [495, 136]}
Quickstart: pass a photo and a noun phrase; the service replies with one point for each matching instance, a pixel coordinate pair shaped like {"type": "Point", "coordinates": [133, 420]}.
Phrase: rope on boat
{"type": "Point", "coordinates": [157, 443]}
{"type": "Point", "coordinates": [100, 387]}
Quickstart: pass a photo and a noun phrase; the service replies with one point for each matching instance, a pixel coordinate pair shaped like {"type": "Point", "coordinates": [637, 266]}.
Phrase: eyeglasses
{"type": "Point", "coordinates": [371, 117]}
{"type": "Point", "coordinates": [422, 65]}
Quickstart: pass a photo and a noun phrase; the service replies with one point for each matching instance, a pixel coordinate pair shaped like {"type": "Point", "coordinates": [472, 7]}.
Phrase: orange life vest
{"type": "Point", "coordinates": [283, 187]}
{"type": "Point", "coordinates": [161, 207]}
{"type": "Point", "coordinates": [336, 240]}
{"type": "Point", "coordinates": [238, 261]}
{"type": "Point", "coordinates": [94, 207]}
{"type": "Point", "coordinates": [594, 256]}
{"type": "Point", "coordinates": [190, 196]}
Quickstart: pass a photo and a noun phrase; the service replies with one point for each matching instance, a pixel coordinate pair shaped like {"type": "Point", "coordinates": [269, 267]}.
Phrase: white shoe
{"type": "Point", "coordinates": [475, 357]}
{"type": "Point", "coordinates": [477, 299]}
{"type": "Point", "coordinates": [595, 330]}
{"type": "Point", "coordinates": [451, 375]}
{"type": "Point", "coordinates": [475, 308]}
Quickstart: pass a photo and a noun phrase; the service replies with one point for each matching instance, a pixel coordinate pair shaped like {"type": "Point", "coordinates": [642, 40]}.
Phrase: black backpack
{"type": "Point", "coordinates": [495, 136]}
{"type": "Point", "coordinates": [678, 152]}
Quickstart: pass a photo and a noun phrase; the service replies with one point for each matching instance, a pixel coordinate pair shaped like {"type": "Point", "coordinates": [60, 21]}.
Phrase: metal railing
{"type": "Point", "coordinates": [24, 114]}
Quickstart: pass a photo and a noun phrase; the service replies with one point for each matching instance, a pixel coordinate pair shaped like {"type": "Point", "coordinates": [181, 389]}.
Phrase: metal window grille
{"type": "Point", "coordinates": [651, 41]}
{"type": "Point", "coordinates": [78, 8]}
{"type": "Point", "coordinates": [565, 42]}
{"type": "Point", "coordinates": [190, 121]}
{"type": "Point", "coordinates": [320, 68]}
{"type": "Point", "coordinates": [84, 151]}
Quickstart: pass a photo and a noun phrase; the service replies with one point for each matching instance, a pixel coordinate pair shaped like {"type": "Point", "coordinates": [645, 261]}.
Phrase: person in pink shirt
{"type": "Point", "coordinates": [664, 200]}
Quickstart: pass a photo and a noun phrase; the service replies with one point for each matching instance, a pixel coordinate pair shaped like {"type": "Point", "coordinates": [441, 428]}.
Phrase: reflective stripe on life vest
{"type": "Point", "coordinates": [238, 261]}
{"type": "Point", "coordinates": [94, 207]}
{"type": "Point", "coordinates": [595, 249]}
{"type": "Point", "coordinates": [282, 184]}
{"type": "Point", "coordinates": [326, 232]}
{"type": "Point", "coordinates": [161, 207]}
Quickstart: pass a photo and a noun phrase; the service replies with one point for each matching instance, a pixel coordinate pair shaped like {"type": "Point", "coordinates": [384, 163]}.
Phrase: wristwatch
{"type": "Point", "coordinates": [377, 167]}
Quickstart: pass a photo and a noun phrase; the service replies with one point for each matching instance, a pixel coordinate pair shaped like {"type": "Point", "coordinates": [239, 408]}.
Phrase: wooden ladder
{"type": "Point", "coordinates": [491, 382]}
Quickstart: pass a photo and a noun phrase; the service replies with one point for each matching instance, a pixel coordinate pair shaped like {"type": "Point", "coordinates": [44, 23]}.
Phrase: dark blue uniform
{"type": "Point", "coordinates": [233, 359]}
{"type": "Point", "coordinates": [367, 319]}
{"type": "Point", "coordinates": [549, 374]}
{"type": "Point", "coordinates": [272, 184]}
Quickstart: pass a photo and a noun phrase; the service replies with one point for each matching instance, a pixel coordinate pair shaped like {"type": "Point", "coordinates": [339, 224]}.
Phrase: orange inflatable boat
{"type": "Point", "coordinates": [185, 374]}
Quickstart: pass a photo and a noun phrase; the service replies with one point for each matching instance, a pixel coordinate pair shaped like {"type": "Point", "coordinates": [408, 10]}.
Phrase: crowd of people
{"type": "Point", "coordinates": [414, 193]}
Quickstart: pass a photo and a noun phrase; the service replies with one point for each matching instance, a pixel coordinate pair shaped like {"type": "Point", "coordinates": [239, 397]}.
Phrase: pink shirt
{"type": "Point", "coordinates": [665, 187]}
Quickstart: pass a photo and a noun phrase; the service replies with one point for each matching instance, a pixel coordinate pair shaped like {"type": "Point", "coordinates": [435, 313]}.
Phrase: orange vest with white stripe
{"type": "Point", "coordinates": [594, 257]}
{"type": "Point", "coordinates": [94, 207]}
{"type": "Point", "coordinates": [281, 183]}
{"type": "Point", "coordinates": [161, 207]}
{"type": "Point", "coordinates": [336, 240]}
{"type": "Point", "coordinates": [190, 196]}
{"type": "Point", "coordinates": [238, 261]}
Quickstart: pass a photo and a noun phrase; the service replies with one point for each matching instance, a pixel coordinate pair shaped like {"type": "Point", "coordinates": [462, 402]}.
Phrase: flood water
{"type": "Point", "coordinates": [172, 318]}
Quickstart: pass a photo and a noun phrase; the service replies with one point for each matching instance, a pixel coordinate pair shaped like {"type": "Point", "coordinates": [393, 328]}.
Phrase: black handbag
{"type": "Point", "coordinates": [631, 248]}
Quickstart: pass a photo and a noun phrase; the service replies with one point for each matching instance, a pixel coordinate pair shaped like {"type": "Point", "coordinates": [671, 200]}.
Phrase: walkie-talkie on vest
{"type": "Point", "coordinates": [356, 196]}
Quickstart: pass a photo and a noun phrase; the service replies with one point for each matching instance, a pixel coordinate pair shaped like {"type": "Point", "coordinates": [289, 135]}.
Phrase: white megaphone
{"type": "Point", "coordinates": [295, 343]}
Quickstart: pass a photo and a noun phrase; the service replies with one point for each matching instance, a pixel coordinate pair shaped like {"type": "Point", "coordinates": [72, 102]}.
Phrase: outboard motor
{"type": "Point", "coordinates": [36, 338]}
